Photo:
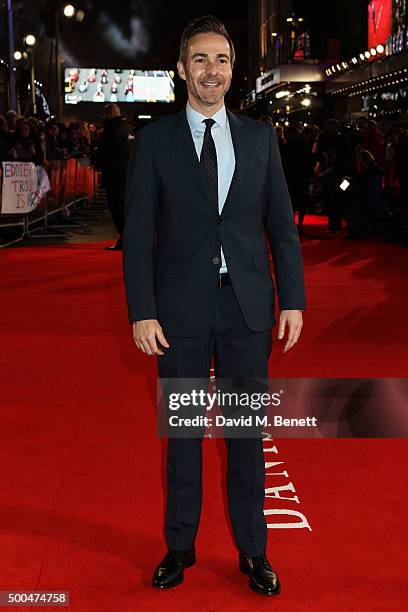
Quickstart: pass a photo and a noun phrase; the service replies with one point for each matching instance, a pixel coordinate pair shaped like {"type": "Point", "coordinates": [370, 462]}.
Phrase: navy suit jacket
{"type": "Point", "coordinates": [173, 230]}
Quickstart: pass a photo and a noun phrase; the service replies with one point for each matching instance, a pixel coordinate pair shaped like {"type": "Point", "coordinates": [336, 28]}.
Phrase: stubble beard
{"type": "Point", "coordinates": [212, 100]}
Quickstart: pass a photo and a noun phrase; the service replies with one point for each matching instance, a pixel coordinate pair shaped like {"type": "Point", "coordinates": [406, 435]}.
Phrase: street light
{"type": "Point", "coordinates": [18, 55]}
{"type": "Point", "coordinates": [30, 40]}
{"type": "Point", "coordinates": [69, 10]}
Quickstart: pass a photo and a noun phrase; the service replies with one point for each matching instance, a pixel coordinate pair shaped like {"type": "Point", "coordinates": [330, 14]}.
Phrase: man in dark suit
{"type": "Point", "coordinates": [205, 188]}
{"type": "Point", "coordinates": [112, 157]}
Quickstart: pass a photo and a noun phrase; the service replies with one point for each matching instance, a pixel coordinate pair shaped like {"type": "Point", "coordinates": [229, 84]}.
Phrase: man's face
{"type": "Point", "coordinates": [52, 131]}
{"type": "Point", "coordinates": [24, 130]}
{"type": "Point", "coordinates": [208, 69]}
{"type": "Point", "coordinates": [362, 125]}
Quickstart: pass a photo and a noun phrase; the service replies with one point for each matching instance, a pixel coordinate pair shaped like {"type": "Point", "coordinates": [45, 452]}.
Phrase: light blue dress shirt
{"type": "Point", "coordinates": [224, 147]}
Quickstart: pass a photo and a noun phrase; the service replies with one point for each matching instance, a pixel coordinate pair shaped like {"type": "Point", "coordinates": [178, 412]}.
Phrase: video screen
{"type": "Point", "coordinates": [117, 85]}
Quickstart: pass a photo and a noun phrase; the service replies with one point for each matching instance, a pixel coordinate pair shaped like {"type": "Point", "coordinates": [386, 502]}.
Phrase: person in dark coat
{"type": "Point", "coordinates": [366, 189]}
{"type": "Point", "coordinates": [25, 144]}
{"type": "Point", "coordinates": [334, 147]}
{"type": "Point", "coordinates": [53, 149]}
{"type": "Point", "coordinates": [112, 159]}
{"type": "Point", "coordinates": [297, 167]}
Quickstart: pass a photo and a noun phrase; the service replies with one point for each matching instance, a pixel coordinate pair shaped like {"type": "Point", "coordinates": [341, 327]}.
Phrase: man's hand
{"type": "Point", "coordinates": [145, 334]}
{"type": "Point", "coordinates": [294, 320]}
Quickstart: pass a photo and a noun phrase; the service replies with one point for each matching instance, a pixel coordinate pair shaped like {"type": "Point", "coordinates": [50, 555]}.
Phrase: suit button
{"type": "Point", "coordinates": [216, 260]}
{"type": "Point", "coordinates": [221, 221]}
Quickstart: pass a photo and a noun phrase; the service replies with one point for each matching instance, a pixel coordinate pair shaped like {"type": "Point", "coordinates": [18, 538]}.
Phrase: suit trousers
{"type": "Point", "coordinates": [115, 195]}
{"type": "Point", "coordinates": [238, 352]}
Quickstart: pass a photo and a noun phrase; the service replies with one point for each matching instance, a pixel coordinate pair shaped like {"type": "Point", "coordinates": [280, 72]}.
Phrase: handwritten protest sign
{"type": "Point", "coordinates": [23, 186]}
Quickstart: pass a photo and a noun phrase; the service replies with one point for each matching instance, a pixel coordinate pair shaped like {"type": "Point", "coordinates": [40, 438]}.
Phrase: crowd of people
{"type": "Point", "coordinates": [29, 139]}
{"type": "Point", "coordinates": [355, 174]}
{"type": "Point", "coordinates": [106, 145]}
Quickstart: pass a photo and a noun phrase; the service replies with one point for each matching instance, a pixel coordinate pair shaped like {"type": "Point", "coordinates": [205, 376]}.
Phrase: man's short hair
{"type": "Point", "coordinates": [203, 25]}
{"type": "Point", "coordinates": [111, 110]}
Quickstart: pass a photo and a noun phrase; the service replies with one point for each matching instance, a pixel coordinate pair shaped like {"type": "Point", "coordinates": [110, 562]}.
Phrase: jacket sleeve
{"type": "Point", "coordinates": [138, 237]}
{"type": "Point", "coordinates": [283, 234]}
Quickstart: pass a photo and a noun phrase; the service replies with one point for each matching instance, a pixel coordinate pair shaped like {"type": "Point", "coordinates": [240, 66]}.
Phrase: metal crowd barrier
{"type": "Point", "coordinates": [72, 181]}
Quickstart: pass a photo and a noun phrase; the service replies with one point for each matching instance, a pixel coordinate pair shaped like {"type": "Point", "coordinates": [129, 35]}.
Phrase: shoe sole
{"type": "Point", "coordinates": [174, 584]}
{"type": "Point", "coordinates": [253, 586]}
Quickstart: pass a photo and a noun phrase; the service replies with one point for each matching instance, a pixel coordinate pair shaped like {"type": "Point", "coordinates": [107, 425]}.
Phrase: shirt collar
{"type": "Point", "coordinates": [195, 119]}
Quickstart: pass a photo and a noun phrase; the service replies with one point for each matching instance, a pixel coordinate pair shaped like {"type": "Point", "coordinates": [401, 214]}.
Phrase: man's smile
{"type": "Point", "coordinates": [210, 84]}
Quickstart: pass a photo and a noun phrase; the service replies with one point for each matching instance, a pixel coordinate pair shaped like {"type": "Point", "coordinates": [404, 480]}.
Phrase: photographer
{"type": "Point", "coordinates": [334, 161]}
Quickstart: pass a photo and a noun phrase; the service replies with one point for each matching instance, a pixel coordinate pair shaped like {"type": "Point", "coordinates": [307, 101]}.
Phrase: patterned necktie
{"type": "Point", "coordinates": [208, 160]}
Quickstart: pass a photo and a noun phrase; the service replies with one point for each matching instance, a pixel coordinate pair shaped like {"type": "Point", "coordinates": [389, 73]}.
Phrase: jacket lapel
{"type": "Point", "coordinates": [244, 160]}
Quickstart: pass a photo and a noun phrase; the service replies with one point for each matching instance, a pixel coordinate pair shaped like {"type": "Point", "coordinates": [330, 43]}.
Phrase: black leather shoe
{"type": "Point", "coordinates": [262, 578]}
{"type": "Point", "coordinates": [170, 571]}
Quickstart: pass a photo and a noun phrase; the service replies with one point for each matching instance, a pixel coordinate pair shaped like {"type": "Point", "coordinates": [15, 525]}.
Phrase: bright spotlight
{"type": "Point", "coordinates": [306, 102]}
{"type": "Point", "coordinates": [69, 10]}
{"type": "Point", "coordinates": [367, 54]}
{"type": "Point", "coordinates": [30, 40]}
{"type": "Point", "coordinates": [361, 56]}
{"type": "Point", "coordinates": [373, 51]}
{"type": "Point", "coordinates": [380, 48]}
{"type": "Point", "coordinates": [18, 55]}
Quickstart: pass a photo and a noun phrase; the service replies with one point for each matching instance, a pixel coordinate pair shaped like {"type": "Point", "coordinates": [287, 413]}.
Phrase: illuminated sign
{"type": "Point", "coordinates": [116, 85]}
{"type": "Point", "coordinates": [379, 22]}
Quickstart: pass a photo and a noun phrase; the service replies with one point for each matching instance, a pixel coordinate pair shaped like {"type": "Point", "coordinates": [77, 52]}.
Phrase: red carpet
{"type": "Point", "coordinates": [82, 496]}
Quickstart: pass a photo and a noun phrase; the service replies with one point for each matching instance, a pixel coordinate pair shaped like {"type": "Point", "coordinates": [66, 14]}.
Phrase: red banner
{"type": "Point", "coordinates": [379, 22]}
